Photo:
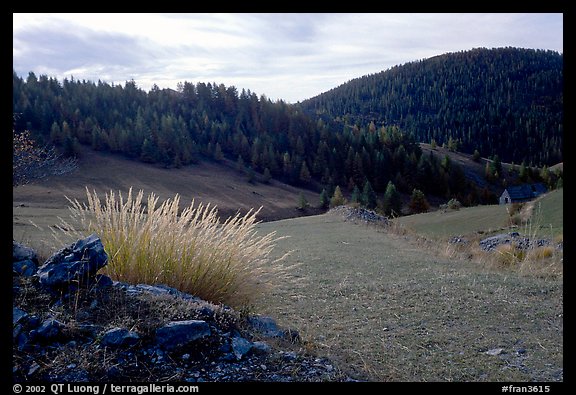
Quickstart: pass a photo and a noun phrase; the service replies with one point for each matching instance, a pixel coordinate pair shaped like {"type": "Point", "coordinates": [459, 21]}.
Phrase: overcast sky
{"type": "Point", "coordinates": [284, 56]}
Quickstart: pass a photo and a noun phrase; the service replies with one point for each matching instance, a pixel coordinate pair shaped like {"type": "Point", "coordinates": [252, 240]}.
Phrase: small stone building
{"type": "Point", "coordinates": [522, 193]}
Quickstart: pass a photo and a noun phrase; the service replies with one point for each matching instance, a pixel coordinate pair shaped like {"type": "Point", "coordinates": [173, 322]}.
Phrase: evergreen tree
{"type": "Point", "coordinates": [240, 164]}
{"type": "Point", "coordinates": [218, 155]}
{"type": "Point", "coordinates": [355, 198]}
{"type": "Point", "coordinates": [337, 199]}
{"type": "Point", "coordinates": [305, 176]}
{"type": "Point", "coordinates": [324, 199]}
{"type": "Point", "coordinates": [418, 202]}
{"type": "Point", "coordinates": [392, 202]}
{"type": "Point", "coordinates": [476, 156]}
{"type": "Point", "coordinates": [369, 198]}
{"type": "Point", "coordinates": [266, 177]}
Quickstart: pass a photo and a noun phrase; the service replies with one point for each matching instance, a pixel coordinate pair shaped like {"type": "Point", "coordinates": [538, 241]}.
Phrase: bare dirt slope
{"type": "Point", "coordinates": [219, 184]}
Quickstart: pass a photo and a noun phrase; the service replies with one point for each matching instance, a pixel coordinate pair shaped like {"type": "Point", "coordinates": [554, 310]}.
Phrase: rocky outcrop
{"type": "Point", "coordinates": [360, 214]}
{"type": "Point", "coordinates": [75, 265]}
{"type": "Point", "coordinates": [516, 240]}
{"type": "Point", "coordinates": [71, 323]}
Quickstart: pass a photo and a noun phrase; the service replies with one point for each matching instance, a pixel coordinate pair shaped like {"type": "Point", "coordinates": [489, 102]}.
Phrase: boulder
{"type": "Point", "coordinates": [240, 347]}
{"type": "Point", "coordinates": [180, 333]}
{"type": "Point", "coordinates": [119, 337]}
{"type": "Point", "coordinates": [76, 264]}
{"type": "Point", "coordinates": [266, 327]}
{"type": "Point", "coordinates": [50, 330]}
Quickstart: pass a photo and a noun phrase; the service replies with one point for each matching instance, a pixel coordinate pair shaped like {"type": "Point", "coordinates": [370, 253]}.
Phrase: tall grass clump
{"type": "Point", "coordinates": [189, 250]}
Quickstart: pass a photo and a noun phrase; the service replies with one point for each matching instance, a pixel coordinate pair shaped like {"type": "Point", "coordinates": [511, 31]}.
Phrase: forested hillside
{"type": "Point", "coordinates": [506, 102]}
{"type": "Point", "coordinates": [176, 128]}
{"type": "Point", "coordinates": [363, 136]}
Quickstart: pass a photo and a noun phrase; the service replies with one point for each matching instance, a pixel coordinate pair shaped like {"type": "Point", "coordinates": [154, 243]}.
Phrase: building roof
{"type": "Point", "coordinates": [526, 191]}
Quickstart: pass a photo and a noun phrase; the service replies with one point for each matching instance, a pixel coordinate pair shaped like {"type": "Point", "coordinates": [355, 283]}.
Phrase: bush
{"type": "Point", "coordinates": [454, 204]}
{"type": "Point", "coordinates": [509, 255]}
{"type": "Point", "coordinates": [191, 251]}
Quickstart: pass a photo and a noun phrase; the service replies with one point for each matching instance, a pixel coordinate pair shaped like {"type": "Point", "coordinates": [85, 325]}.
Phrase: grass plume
{"type": "Point", "coordinates": [191, 250]}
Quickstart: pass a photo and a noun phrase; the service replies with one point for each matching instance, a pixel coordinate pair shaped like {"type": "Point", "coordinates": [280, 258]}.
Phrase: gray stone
{"type": "Point", "coordinates": [76, 264]}
{"type": "Point", "coordinates": [33, 368]}
{"type": "Point", "coordinates": [24, 268]}
{"type": "Point", "coordinates": [119, 337]}
{"type": "Point", "coordinates": [180, 333]}
{"type": "Point", "coordinates": [240, 347]}
{"type": "Point", "coordinates": [495, 351]}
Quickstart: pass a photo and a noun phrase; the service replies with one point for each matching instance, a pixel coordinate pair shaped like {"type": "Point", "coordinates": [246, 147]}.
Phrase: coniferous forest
{"type": "Point", "coordinates": [363, 134]}
{"type": "Point", "coordinates": [506, 102]}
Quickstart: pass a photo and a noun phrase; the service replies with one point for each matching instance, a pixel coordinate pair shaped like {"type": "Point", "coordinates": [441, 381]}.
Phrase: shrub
{"type": "Point", "coordinates": [540, 253]}
{"type": "Point", "coordinates": [509, 255]}
{"type": "Point", "coordinates": [454, 204]}
{"type": "Point", "coordinates": [191, 251]}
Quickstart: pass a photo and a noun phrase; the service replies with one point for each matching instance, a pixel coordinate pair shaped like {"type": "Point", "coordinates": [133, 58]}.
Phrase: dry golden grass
{"type": "Point", "coordinates": [189, 250]}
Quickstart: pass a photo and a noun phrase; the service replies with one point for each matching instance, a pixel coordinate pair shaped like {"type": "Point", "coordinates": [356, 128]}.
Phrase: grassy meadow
{"type": "Point", "coordinates": [545, 218]}
{"type": "Point", "coordinates": [387, 306]}
{"type": "Point", "coordinates": [386, 309]}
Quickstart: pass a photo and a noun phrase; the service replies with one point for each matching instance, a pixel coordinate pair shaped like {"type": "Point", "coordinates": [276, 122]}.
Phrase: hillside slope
{"type": "Point", "coordinates": [208, 182]}
{"type": "Point", "coordinates": [546, 219]}
{"type": "Point", "coordinates": [504, 101]}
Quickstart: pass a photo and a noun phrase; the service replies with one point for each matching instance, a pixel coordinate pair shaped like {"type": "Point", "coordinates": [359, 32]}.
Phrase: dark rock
{"type": "Point", "coordinates": [16, 331]}
{"type": "Point", "coordinates": [24, 268]}
{"type": "Point", "coordinates": [22, 253]}
{"type": "Point", "coordinates": [119, 337]}
{"type": "Point", "coordinates": [75, 264]}
{"type": "Point", "coordinates": [265, 326]}
{"type": "Point", "coordinates": [240, 347]}
{"type": "Point", "coordinates": [18, 315]}
{"type": "Point", "coordinates": [89, 330]}
{"type": "Point", "coordinates": [261, 348]}
{"type": "Point", "coordinates": [50, 330]}
{"type": "Point", "coordinates": [22, 340]}
{"type": "Point", "coordinates": [180, 333]}
{"type": "Point", "coordinates": [72, 376]}
{"type": "Point", "coordinates": [33, 322]}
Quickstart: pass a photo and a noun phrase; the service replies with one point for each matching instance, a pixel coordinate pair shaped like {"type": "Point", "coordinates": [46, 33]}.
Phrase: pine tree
{"type": "Point", "coordinates": [218, 155]}
{"type": "Point", "coordinates": [337, 199]}
{"type": "Point", "coordinates": [266, 177]}
{"type": "Point", "coordinates": [369, 198]}
{"type": "Point", "coordinates": [240, 164]}
{"type": "Point", "coordinates": [305, 173]}
{"type": "Point", "coordinates": [355, 198]}
{"type": "Point", "coordinates": [418, 202]}
{"type": "Point", "coordinates": [324, 200]}
{"type": "Point", "coordinates": [476, 156]}
{"type": "Point", "coordinates": [392, 203]}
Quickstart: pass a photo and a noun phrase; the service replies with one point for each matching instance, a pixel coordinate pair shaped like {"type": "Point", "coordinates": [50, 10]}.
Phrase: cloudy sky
{"type": "Point", "coordinates": [284, 56]}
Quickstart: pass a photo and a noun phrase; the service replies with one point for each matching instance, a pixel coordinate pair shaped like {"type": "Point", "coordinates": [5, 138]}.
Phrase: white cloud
{"type": "Point", "coordinates": [284, 56]}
